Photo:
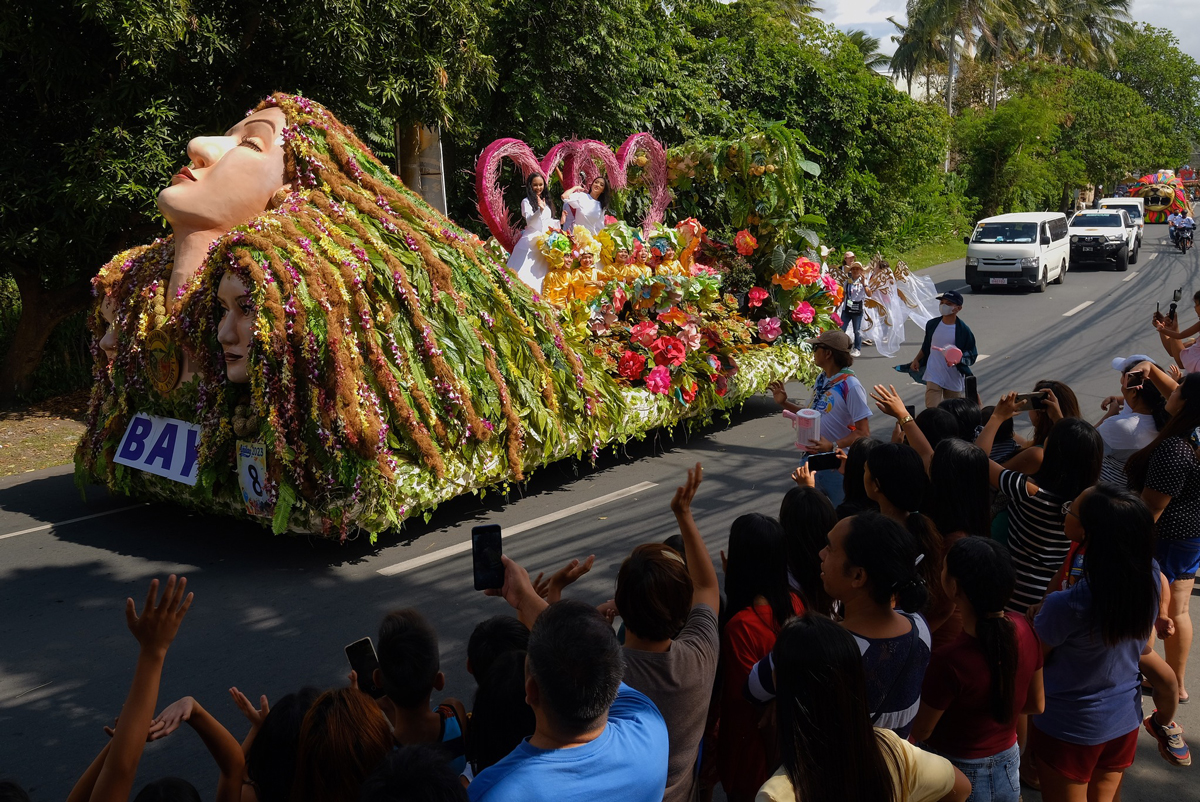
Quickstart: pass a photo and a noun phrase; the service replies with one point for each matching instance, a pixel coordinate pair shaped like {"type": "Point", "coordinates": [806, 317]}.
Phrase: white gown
{"type": "Point", "coordinates": [526, 260]}
{"type": "Point", "coordinates": [587, 212]}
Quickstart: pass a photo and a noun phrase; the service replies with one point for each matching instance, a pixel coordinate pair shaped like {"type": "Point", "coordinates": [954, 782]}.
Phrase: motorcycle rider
{"type": "Point", "coordinates": [1184, 222]}
{"type": "Point", "coordinates": [1172, 220]}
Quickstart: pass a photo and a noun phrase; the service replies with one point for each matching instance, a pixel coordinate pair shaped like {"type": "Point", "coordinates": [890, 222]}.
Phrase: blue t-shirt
{"type": "Point", "coordinates": [1092, 690]}
{"type": "Point", "coordinates": [627, 762]}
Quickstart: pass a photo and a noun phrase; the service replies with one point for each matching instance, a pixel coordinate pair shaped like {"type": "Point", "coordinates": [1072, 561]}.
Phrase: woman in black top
{"type": "Point", "coordinates": [1167, 474]}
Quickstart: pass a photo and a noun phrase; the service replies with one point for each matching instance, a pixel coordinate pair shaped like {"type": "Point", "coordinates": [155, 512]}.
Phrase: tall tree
{"type": "Point", "coordinates": [1150, 63]}
{"type": "Point", "coordinates": [1079, 32]}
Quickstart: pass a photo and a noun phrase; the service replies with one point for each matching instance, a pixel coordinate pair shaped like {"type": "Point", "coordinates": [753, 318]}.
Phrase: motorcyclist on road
{"type": "Point", "coordinates": [1184, 222]}
{"type": "Point", "coordinates": [1172, 220]}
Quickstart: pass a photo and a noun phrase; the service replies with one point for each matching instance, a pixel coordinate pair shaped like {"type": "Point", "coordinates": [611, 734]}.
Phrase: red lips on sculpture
{"type": "Point", "coordinates": [573, 155]}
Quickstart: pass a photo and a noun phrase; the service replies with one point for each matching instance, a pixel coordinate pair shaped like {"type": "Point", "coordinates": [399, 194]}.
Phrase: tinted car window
{"type": "Point", "coordinates": [1099, 220]}
{"type": "Point", "coordinates": [1058, 228]}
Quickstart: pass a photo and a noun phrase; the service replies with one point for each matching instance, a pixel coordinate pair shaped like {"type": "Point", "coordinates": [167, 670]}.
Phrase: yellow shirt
{"type": "Point", "coordinates": [926, 776]}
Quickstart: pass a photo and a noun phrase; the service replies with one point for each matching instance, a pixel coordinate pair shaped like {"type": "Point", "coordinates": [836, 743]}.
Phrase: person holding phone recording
{"type": "Point", "coordinates": [1131, 420]}
{"type": "Point", "coordinates": [840, 398]}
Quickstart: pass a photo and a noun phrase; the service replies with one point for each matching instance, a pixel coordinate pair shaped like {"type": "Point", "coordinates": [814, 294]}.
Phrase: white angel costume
{"type": "Point", "coordinates": [526, 260]}
{"type": "Point", "coordinates": [584, 210]}
{"type": "Point", "coordinates": [894, 297]}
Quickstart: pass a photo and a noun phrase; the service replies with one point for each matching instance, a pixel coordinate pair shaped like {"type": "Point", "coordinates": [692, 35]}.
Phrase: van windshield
{"type": "Point", "coordinates": [1131, 209]}
{"type": "Point", "coordinates": [1098, 220]}
{"type": "Point", "coordinates": [1005, 232]}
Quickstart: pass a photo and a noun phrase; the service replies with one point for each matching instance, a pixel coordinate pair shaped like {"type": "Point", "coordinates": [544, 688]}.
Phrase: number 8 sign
{"type": "Point", "coordinates": [252, 475]}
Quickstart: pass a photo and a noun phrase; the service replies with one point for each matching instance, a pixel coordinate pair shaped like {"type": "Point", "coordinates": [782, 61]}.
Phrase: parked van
{"type": "Point", "coordinates": [1029, 249]}
{"type": "Point", "coordinates": [1135, 207]}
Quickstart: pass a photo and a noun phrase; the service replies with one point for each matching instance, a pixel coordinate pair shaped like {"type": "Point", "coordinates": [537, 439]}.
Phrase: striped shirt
{"type": "Point", "coordinates": [1035, 538]}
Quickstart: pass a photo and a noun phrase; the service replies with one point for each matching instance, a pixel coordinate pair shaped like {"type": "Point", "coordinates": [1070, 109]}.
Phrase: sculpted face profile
{"type": "Point", "coordinates": [236, 327]}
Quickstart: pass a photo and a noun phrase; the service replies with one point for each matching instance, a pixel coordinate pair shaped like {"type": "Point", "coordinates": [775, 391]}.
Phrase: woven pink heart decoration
{"type": "Point", "coordinates": [575, 155]}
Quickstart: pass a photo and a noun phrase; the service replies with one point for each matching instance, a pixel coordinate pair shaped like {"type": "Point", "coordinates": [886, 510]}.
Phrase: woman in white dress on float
{"type": "Point", "coordinates": [587, 209]}
{"type": "Point", "coordinates": [526, 260]}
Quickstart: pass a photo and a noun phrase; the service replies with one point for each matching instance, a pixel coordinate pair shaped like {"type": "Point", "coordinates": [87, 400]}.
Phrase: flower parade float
{"type": "Point", "coordinates": [1164, 195]}
{"type": "Point", "coordinates": [317, 349]}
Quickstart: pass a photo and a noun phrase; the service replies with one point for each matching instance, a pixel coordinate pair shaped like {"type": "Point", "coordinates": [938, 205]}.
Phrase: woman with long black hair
{"type": "Point", "coordinates": [586, 206]}
{"type": "Point", "coordinates": [895, 479]}
{"type": "Point", "coordinates": [1131, 420]}
{"type": "Point", "coordinates": [957, 501]}
{"type": "Point", "coordinates": [828, 748]}
{"type": "Point", "coordinates": [758, 602]}
{"type": "Point", "coordinates": [977, 687]}
{"type": "Point", "coordinates": [1167, 474]}
{"type": "Point", "coordinates": [1094, 633]}
{"type": "Point", "coordinates": [1070, 463]}
{"type": "Point", "coordinates": [806, 516]}
{"type": "Point", "coordinates": [537, 209]}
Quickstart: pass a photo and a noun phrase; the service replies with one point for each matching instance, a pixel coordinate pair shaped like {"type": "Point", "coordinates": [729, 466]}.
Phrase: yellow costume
{"type": "Point", "coordinates": [573, 276]}
{"type": "Point", "coordinates": [618, 244]}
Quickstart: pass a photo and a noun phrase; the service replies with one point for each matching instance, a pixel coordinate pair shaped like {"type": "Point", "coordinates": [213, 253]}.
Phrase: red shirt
{"type": "Point", "coordinates": [959, 682]}
{"type": "Point", "coordinates": [742, 746]}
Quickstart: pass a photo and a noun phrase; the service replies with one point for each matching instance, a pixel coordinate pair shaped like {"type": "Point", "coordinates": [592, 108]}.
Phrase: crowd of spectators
{"type": "Point", "coordinates": [976, 612]}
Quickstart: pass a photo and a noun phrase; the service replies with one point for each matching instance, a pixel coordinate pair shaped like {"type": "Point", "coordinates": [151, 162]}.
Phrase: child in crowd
{"type": "Point", "coordinates": [409, 672]}
{"type": "Point", "coordinates": [343, 739]}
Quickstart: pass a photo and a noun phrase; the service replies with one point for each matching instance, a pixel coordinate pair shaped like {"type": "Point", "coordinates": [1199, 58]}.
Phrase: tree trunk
{"type": "Point", "coordinates": [995, 84]}
{"type": "Point", "coordinates": [409, 156]}
{"type": "Point", "coordinates": [950, 75]}
{"type": "Point", "coordinates": [42, 309]}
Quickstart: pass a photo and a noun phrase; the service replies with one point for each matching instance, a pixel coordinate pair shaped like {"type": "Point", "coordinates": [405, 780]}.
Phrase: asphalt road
{"type": "Point", "coordinates": [273, 613]}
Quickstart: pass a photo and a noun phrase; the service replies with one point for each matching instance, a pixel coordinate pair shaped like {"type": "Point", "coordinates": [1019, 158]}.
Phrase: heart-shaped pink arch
{"type": "Point", "coordinates": [587, 155]}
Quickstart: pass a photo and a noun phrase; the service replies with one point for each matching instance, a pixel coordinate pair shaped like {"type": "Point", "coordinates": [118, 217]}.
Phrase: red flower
{"type": "Point", "coordinates": [756, 296]}
{"type": "Point", "coordinates": [745, 242]}
{"type": "Point", "coordinates": [722, 385]}
{"type": "Point", "coordinates": [689, 393]}
{"type": "Point", "coordinates": [807, 270]}
{"type": "Point", "coordinates": [668, 350]}
{"type": "Point", "coordinates": [631, 365]}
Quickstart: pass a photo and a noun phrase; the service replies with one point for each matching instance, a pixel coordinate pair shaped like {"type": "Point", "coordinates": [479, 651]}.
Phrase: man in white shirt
{"type": "Point", "coordinates": [945, 378]}
{"type": "Point", "coordinates": [1172, 222]}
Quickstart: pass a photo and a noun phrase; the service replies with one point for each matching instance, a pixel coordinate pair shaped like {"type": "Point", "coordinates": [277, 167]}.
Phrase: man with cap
{"type": "Point", "coordinates": [854, 293]}
{"type": "Point", "coordinates": [841, 400]}
{"type": "Point", "coordinates": [943, 374]}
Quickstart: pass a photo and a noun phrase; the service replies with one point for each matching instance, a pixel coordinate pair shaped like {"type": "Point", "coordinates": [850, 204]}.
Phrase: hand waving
{"type": "Point", "coordinates": [551, 589]}
{"type": "Point", "coordinates": [803, 477]}
{"type": "Point", "coordinates": [171, 717]}
{"type": "Point", "coordinates": [778, 392]}
{"type": "Point", "coordinates": [255, 716]}
{"type": "Point", "coordinates": [681, 504]}
{"type": "Point", "coordinates": [156, 627]}
{"type": "Point", "coordinates": [889, 401]}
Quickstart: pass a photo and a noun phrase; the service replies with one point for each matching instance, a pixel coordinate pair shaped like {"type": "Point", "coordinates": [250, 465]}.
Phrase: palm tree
{"type": "Point", "coordinates": [1080, 32]}
{"type": "Point", "coordinates": [918, 46]}
{"type": "Point", "coordinates": [869, 47]}
{"type": "Point", "coordinates": [1006, 45]}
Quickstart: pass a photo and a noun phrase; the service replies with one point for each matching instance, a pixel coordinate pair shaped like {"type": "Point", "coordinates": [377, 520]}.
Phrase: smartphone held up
{"type": "Point", "coordinates": [364, 661]}
{"type": "Point", "coordinates": [486, 551]}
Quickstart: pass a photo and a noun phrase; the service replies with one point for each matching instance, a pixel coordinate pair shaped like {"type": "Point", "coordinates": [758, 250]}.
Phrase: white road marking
{"type": "Point", "coordinates": [960, 289]}
{"type": "Point", "coordinates": [1151, 256]}
{"type": "Point", "coordinates": [981, 357]}
{"type": "Point", "coordinates": [1130, 277]}
{"type": "Point", "coordinates": [1078, 309]}
{"type": "Point", "coordinates": [567, 512]}
{"type": "Point", "coordinates": [44, 527]}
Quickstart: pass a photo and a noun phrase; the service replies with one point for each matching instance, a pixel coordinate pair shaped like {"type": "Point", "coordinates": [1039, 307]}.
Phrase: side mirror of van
{"type": "Point", "coordinates": [1045, 238]}
{"type": "Point", "coordinates": [966, 240]}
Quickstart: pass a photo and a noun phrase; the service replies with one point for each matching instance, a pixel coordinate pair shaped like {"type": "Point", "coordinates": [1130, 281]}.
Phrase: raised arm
{"type": "Point", "coordinates": [1158, 377]}
{"type": "Point", "coordinates": [519, 593]}
{"type": "Point", "coordinates": [705, 589]}
{"type": "Point", "coordinates": [224, 748]}
{"type": "Point", "coordinates": [154, 629]}
{"type": "Point", "coordinates": [1005, 409]}
{"type": "Point", "coordinates": [890, 403]}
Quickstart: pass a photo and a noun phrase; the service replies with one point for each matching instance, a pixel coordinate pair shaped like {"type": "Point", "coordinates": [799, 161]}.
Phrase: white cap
{"type": "Point", "coordinates": [1124, 363]}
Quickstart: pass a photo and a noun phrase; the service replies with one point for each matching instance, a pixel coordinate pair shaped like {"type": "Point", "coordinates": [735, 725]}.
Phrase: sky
{"type": "Point", "coordinates": [1183, 18]}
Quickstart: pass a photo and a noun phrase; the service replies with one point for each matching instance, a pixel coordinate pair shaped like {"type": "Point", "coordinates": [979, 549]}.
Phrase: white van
{"type": "Point", "coordinates": [1135, 207]}
{"type": "Point", "coordinates": [1028, 249]}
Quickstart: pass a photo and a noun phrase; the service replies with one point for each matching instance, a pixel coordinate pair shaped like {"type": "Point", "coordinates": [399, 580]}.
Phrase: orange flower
{"type": "Point", "coordinates": [674, 316]}
{"type": "Point", "coordinates": [807, 270]}
{"type": "Point", "coordinates": [788, 281]}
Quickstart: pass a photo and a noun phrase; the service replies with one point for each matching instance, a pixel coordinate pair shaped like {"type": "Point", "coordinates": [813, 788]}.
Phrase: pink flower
{"type": "Point", "coordinates": [830, 283]}
{"type": "Point", "coordinates": [769, 329]}
{"type": "Point", "coordinates": [619, 298]}
{"type": "Point", "coordinates": [659, 380]}
{"type": "Point", "coordinates": [668, 350]}
{"type": "Point", "coordinates": [836, 318]}
{"type": "Point", "coordinates": [756, 296]}
{"type": "Point", "coordinates": [804, 313]}
{"type": "Point", "coordinates": [690, 336]}
{"type": "Point", "coordinates": [644, 332]}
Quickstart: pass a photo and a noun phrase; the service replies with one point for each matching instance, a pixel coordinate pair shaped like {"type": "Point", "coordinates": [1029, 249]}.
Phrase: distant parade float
{"type": "Point", "coordinates": [317, 349]}
{"type": "Point", "coordinates": [1164, 194]}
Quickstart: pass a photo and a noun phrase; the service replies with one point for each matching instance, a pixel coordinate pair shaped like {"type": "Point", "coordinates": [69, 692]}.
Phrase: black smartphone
{"type": "Point", "coordinates": [364, 661]}
{"type": "Point", "coordinates": [1134, 379]}
{"type": "Point", "coordinates": [485, 554]}
{"type": "Point", "coordinates": [827, 461]}
{"type": "Point", "coordinates": [911, 409]}
{"type": "Point", "coordinates": [1035, 399]}
{"type": "Point", "coordinates": [971, 388]}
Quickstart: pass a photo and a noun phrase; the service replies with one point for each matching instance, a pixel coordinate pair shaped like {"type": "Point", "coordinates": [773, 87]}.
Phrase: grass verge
{"type": "Point", "coordinates": [929, 254]}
